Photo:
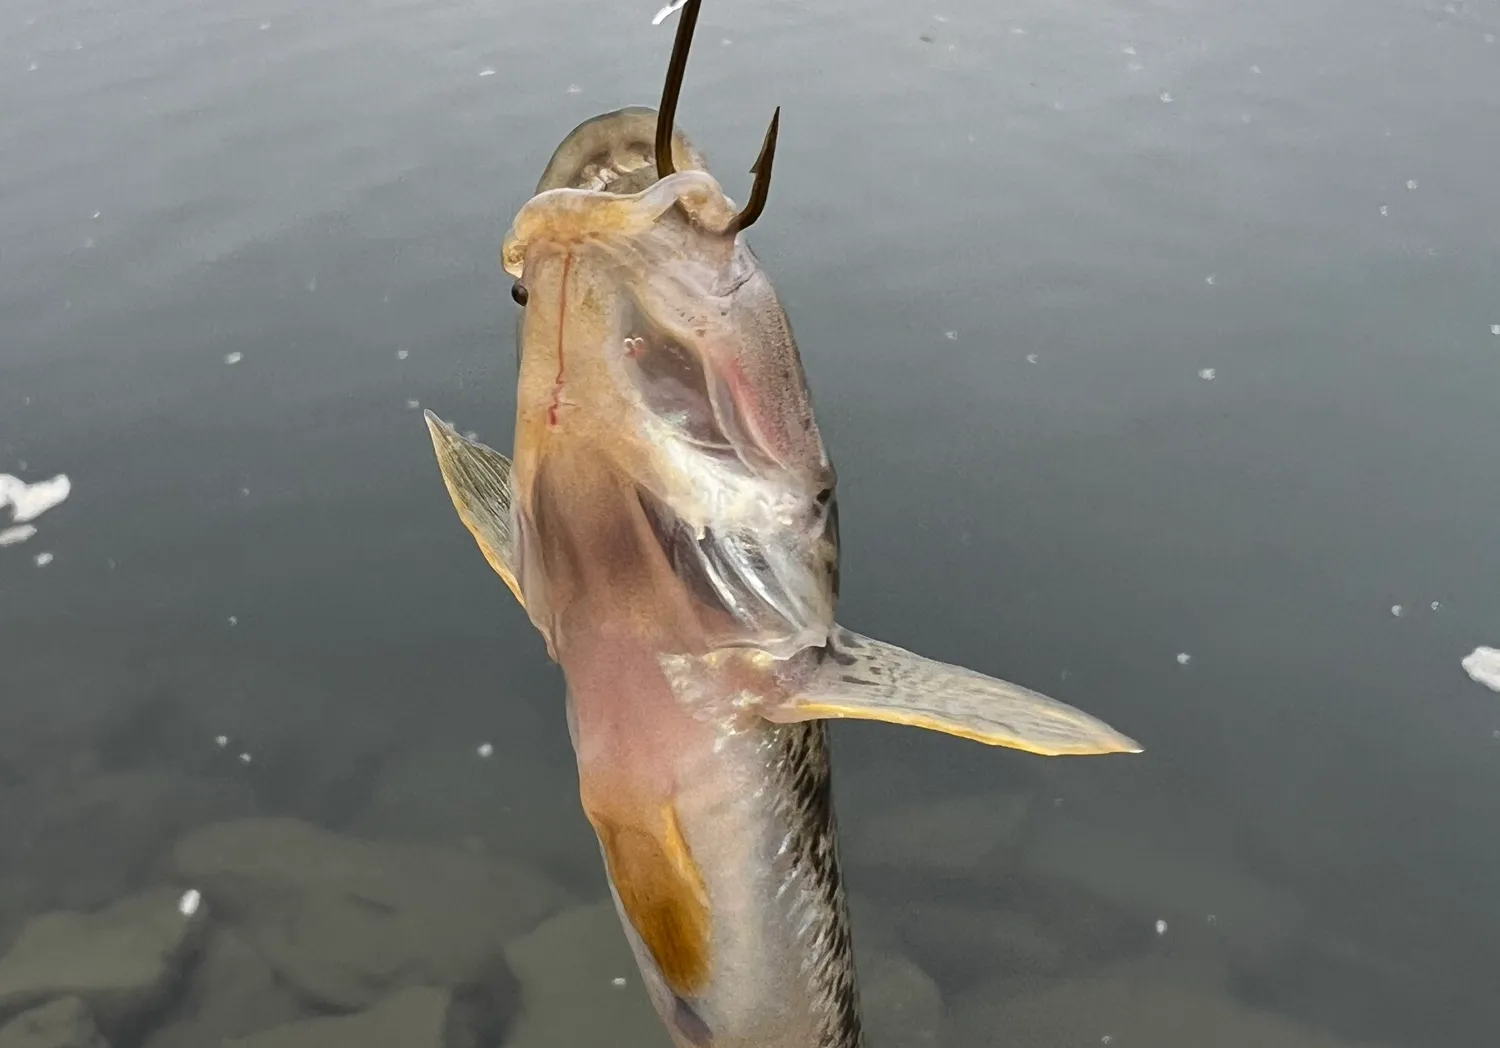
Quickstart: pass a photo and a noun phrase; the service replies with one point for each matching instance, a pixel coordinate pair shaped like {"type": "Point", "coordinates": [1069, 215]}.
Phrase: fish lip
{"type": "Point", "coordinates": [566, 215]}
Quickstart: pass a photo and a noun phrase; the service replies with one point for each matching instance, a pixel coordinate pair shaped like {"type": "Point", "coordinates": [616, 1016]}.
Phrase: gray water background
{"type": "Point", "coordinates": [1010, 237]}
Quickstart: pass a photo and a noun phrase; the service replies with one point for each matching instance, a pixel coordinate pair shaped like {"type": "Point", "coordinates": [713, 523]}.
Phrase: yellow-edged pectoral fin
{"type": "Point", "coordinates": [868, 679]}
{"type": "Point", "coordinates": [478, 481]}
{"type": "Point", "coordinates": [661, 892]}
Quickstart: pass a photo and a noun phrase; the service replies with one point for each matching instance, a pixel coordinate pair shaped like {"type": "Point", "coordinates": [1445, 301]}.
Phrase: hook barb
{"type": "Point", "coordinates": [760, 189]}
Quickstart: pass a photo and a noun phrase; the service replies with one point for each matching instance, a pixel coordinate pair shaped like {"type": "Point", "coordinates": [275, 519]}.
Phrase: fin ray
{"type": "Point", "coordinates": [478, 481]}
{"type": "Point", "coordinates": [867, 679]}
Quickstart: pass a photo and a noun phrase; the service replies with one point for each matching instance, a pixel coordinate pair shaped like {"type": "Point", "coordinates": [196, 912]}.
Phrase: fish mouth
{"type": "Point", "coordinates": [627, 151]}
{"type": "Point", "coordinates": [682, 217]}
{"type": "Point", "coordinates": [615, 153]}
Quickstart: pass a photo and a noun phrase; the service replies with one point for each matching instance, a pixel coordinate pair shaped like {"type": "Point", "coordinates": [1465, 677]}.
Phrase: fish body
{"type": "Point", "coordinates": [670, 524]}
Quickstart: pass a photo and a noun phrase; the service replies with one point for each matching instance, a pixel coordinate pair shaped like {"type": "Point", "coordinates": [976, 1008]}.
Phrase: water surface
{"type": "Point", "coordinates": [1137, 331]}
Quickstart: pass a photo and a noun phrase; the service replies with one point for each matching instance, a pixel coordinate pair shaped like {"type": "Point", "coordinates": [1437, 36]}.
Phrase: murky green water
{"type": "Point", "coordinates": [1156, 346]}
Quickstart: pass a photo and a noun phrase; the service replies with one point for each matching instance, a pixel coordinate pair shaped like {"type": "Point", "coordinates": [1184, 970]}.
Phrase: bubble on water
{"type": "Point", "coordinates": [1436, 605]}
{"type": "Point", "coordinates": [234, 620]}
{"type": "Point", "coordinates": [1212, 278]}
{"type": "Point", "coordinates": [574, 89]}
{"type": "Point", "coordinates": [618, 980]}
{"type": "Point", "coordinates": [1208, 374]}
{"type": "Point", "coordinates": [1397, 610]}
{"type": "Point", "coordinates": [43, 559]}
{"type": "Point", "coordinates": [951, 336]}
{"type": "Point", "coordinates": [1031, 358]}
{"type": "Point", "coordinates": [1128, 49]}
{"type": "Point", "coordinates": [1166, 96]}
{"type": "Point", "coordinates": [245, 758]}
{"type": "Point", "coordinates": [312, 284]}
{"type": "Point", "coordinates": [16, 535]}
{"type": "Point", "coordinates": [98, 213]}
{"type": "Point", "coordinates": [402, 354]}
{"type": "Point", "coordinates": [1255, 69]}
{"type": "Point", "coordinates": [1213, 918]}
{"type": "Point", "coordinates": [221, 741]}
{"type": "Point", "coordinates": [233, 358]}
{"type": "Point", "coordinates": [264, 26]}
{"type": "Point", "coordinates": [1134, 67]}
{"type": "Point", "coordinates": [472, 434]}
{"type": "Point", "coordinates": [188, 904]}
{"type": "Point", "coordinates": [413, 404]}
{"type": "Point", "coordinates": [88, 242]}
{"type": "Point", "coordinates": [486, 749]}
{"type": "Point", "coordinates": [1384, 209]}
{"type": "Point", "coordinates": [1161, 927]}
{"type": "Point", "coordinates": [1183, 658]}
{"type": "Point", "coordinates": [1483, 667]}
{"type": "Point", "coordinates": [1106, 1039]}
{"type": "Point", "coordinates": [32, 68]}
{"type": "Point", "coordinates": [1017, 31]}
{"type": "Point", "coordinates": [486, 72]}
{"type": "Point", "coordinates": [1495, 329]}
{"type": "Point", "coordinates": [1411, 183]}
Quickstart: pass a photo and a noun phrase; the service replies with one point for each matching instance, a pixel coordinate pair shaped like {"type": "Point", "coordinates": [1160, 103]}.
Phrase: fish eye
{"type": "Point", "coordinates": [824, 495]}
{"type": "Point", "coordinates": [518, 292]}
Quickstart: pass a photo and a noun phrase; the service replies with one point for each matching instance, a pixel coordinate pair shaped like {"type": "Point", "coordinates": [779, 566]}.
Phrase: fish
{"type": "Point", "coordinates": [668, 519]}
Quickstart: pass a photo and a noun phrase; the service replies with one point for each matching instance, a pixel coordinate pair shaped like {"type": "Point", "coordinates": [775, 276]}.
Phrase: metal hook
{"type": "Point", "coordinates": [666, 119]}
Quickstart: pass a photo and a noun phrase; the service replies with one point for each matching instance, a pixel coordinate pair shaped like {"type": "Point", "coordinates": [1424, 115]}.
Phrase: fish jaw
{"type": "Point", "coordinates": [657, 365]}
{"type": "Point", "coordinates": [717, 833]}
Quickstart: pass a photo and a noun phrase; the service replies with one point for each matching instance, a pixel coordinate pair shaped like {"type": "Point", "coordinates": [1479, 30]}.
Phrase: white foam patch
{"type": "Point", "coordinates": [16, 535]}
{"type": "Point", "coordinates": [29, 501]}
{"type": "Point", "coordinates": [1483, 667]}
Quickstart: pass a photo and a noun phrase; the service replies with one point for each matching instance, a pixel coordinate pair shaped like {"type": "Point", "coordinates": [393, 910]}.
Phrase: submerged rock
{"type": "Point", "coordinates": [1127, 1007]}
{"type": "Point", "coordinates": [443, 790]}
{"type": "Point", "coordinates": [951, 835]}
{"type": "Point", "coordinates": [348, 922]}
{"type": "Point", "coordinates": [416, 1017]}
{"type": "Point", "coordinates": [901, 1004]}
{"type": "Point", "coordinates": [65, 1023]}
{"type": "Point", "coordinates": [122, 961]}
{"type": "Point", "coordinates": [1158, 882]}
{"type": "Point", "coordinates": [91, 839]}
{"type": "Point", "coordinates": [580, 986]}
{"type": "Point", "coordinates": [968, 938]}
{"type": "Point", "coordinates": [231, 992]}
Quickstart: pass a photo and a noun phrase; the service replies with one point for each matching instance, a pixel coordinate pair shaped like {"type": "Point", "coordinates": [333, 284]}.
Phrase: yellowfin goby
{"type": "Point", "coordinates": [670, 525]}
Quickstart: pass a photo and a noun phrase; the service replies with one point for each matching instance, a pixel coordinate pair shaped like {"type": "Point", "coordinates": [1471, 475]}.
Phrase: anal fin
{"type": "Point", "coordinates": [478, 481]}
{"type": "Point", "coordinates": [867, 679]}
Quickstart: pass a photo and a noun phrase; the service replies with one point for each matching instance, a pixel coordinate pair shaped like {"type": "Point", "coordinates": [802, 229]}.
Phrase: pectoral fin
{"type": "Point", "coordinates": [867, 679]}
{"type": "Point", "coordinates": [478, 482]}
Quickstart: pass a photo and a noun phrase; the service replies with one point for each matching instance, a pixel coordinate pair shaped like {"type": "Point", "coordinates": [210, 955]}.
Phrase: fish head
{"type": "Point", "coordinates": [657, 363]}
